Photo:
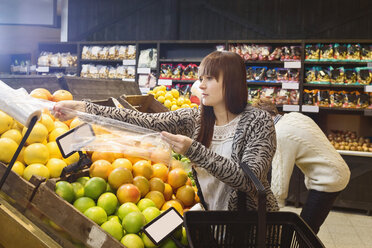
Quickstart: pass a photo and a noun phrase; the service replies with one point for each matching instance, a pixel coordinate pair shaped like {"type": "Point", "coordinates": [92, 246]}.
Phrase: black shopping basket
{"type": "Point", "coordinates": [240, 229]}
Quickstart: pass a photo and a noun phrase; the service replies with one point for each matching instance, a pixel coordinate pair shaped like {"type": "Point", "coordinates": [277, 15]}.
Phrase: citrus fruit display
{"type": "Point", "coordinates": [171, 98]}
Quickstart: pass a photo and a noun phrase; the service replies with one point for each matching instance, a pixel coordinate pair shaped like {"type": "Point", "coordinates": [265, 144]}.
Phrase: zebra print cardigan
{"type": "Point", "coordinates": [254, 144]}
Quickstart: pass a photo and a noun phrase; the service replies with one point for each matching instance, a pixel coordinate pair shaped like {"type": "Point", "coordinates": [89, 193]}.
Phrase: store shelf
{"type": "Point", "coordinates": [181, 60]}
{"type": "Point", "coordinates": [359, 63]}
{"type": "Point", "coordinates": [355, 153]}
{"type": "Point", "coordinates": [265, 62]}
{"type": "Point", "coordinates": [182, 81]}
{"type": "Point", "coordinates": [350, 86]}
{"type": "Point", "coordinates": [101, 61]}
{"type": "Point", "coordinates": [264, 84]}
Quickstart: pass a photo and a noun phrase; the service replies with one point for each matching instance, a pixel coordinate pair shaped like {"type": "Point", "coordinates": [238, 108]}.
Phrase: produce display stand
{"type": "Point", "coordinates": [233, 229]}
{"type": "Point", "coordinates": [146, 103]}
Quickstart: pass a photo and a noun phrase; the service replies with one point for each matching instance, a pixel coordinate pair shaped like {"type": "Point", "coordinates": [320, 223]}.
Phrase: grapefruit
{"type": "Point", "coordinates": [119, 176]}
{"type": "Point", "coordinates": [62, 95]}
{"type": "Point", "coordinates": [18, 168]}
{"type": "Point", "coordinates": [142, 184]}
{"type": "Point", "coordinates": [83, 203]}
{"type": "Point", "coordinates": [128, 193]}
{"type": "Point", "coordinates": [100, 168]}
{"type": "Point", "coordinates": [7, 149]}
{"type": "Point", "coordinates": [142, 168]}
{"type": "Point", "coordinates": [38, 134]}
{"type": "Point", "coordinates": [13, 134]}
{"type": "Point", "coordinates": [94, 187]}
{"type": "Point", "coordinates": [55, 166]}
{"type": "Point", "coordinates": [6, 122]}
{"type": "Point", "coordinates": [122, 162]}
{"type": "Point", "coordinates": [36, 153]}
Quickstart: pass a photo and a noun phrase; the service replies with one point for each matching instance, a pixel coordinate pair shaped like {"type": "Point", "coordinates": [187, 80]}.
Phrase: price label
{"type": "Point", "coordinates": [129, 79]}
{"type": "Point", "coordinates": [368, 112]}
{"type": "Point", "coordinates": [129, 62]}
{"type": "Point", "coordinates": [308, 108]}
{"type": "Point", "coordinates": [144, 91]}
{"type": "Point", "coordinates": [143, 70]}
{"type": "Point", "coordinates": [165, 82]}
{"type": "Point", "coordinates": [292, 64]}
{"type": "Point", "coordinates": [369, 64]}
{"type": "Point", "coordinates": [368, 88]}
{"type": "Point", "coordinates": [42, 69]}
{"type": "Point", "coordinates": [293, 86]}
{"type": "Point", "coordinates": [291, 108]}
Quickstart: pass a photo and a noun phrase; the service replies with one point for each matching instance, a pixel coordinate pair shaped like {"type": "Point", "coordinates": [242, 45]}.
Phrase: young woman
{"type": "Point", "coordinates": [219, 136]}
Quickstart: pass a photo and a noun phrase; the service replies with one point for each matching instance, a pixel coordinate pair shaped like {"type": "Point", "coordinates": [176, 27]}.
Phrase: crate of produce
{"type": "Point", "coordinates": [142, 103]}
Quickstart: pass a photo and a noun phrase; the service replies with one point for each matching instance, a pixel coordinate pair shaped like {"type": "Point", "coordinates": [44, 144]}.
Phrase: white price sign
{"type": "Point", "coordinates": [368, 88]}
{"type": "Point", "coordinates": [129, 79]}
{"type": "Point", "coordinates": [309, 108]}
{"type": "Point", "coordinates": [292, 64]}
{"type": "Point", "coordinates": [129, 62]}
{"type": "Point", "coordinates": [165, 82]}
{"type": "Point", "coordinates": [43, 69]}
{"type": "Point", "coordinates": [369, 64]}
{"type": "Point", "coordinates": [143, 70]}
{"type": "Point", "coordinates": [293, 86]}
{"type": "Point", "coordinates": [291, 108]}
{"type": "Point", "coordinates": [144, 91]}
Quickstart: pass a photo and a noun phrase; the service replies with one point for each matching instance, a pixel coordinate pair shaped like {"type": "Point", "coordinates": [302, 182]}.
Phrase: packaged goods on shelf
{"type": "Point", "coordinates": [340, 52]}
{"type": "Point", "coordinates": [312, 52]}
{"type": "Point", "coordinates": [340, 75]}
{"type": "Point", "coordinates": [272, 75]}
{"type": "Point", "coordinates": [353, 52]}
{"type": "Point", "coordinates": [323, 75]}
{"type": "Point", "coordinates": [350, 76]}
{"type": "Point", "coordinates": [104, 71]}
{"type": "Point", "coordinates": [57, 59]}
{"type": "Point", "coordinates": [337, 75]}
{"type": "Point", "coordinates": [179, 72]}
{"type": "Point", "coordinates": [366, 53]}
{"type": "Point", "coordinates": [115, 52]}
{"type": "Point", "coordinates": [326, 52]}
{"type": "Point", "coordinates": [264, 52]}
{"type": "Point", "coordinates": [349, 140]}
{"type": "Point", "coordinates": [276, 94]}
{"type": "Point", "coordinates": [148, 58]}
{"type": "Point", "coordinates": [364, 75]}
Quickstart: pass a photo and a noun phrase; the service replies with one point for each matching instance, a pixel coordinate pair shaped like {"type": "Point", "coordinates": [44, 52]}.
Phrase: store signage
{"type": "Point", "coordinates": [143, 70]}
{"type": "Point", "coordinates": [291, 108]}
{"type": "Point", "coordinates": [309, 108]}
{"type": "Point", "coordinates": [42, 69]}
{"type": "Point", "coordinates": [292, 64]}
{"type": "Point", "coordinates": [165, 82]}
{"type": "Point", "coordinates": [293, 86]}
{"type": "Point", "coordinates": [129, 62]}
{"type": "Point", "coordinates": [368, 88]}
{"type": "Point", "coordinates": [129, 79]}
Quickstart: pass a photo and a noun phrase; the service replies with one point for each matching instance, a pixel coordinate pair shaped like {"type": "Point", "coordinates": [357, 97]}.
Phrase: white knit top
{"type": "Point", "coordinates": [216, 193]}
{"type": "Point", "coordinates": [300, 141]}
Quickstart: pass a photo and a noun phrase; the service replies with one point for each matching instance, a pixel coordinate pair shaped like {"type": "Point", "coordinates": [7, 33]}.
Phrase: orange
{"type": "Point", "coordinates": [156, 184]}
{"type": "Point", "coordinates": [68, 122]}
{"type": "Point", "coordinates": [48, 122]}
{"type": "Point", "coordinates": [36, 153]}
{"type": "Point", "coordinates": [160, 171]}
{"type": "Point", "coordinates": [43, 91]}
{"type": "Point", "coordinates": [160, 155]}
{"type": "Point", "coordinates": [35, 169]}
{"type": "Point", "coordinates": [136, 152]}
{"type": "Point", "coordinates": [56, 133]}
{"type": "Point", "coordinates": [118, 155]}
{"type": "Point", "coordinates": [108, 156]}
{"type": "Point", "coordinates": [60, 124]}
{"type": "Point", "coordinates": [122, 162]}
{"type": "Point", "coordinates": [39, 95]}
{"type": "Point", "coordinates": [55, 167]}
{"type": "Point", "coordinates": [128, 193]}
{"type": "Point", "coordinates": [142, 184]}
{"type": "Point", "coordinates": [173, 203]}
{"type": "Point", "coordinates": [38, 134]}
{"type": "Point", "coordinates": [54, 151]}
{"type": "Point", "coordinates": [177, 178]}
{"type": "Point", "coordinates": [168, 192]}
{"type": "Point", "coordinates": [186, 195]}
{"type": "Point", "coordinates": [13, 134]}
{"type": "Point", "coordinates": [132, 159]}
{"type": "Point", "coordinates": [142, 168]}
{"type": "Point", "coordinates": [100, 168]}
{"type": "Point", "coordinates": [6, 122]}
{"type": "Point", "coordinates": [156, 197]}
{"type": "Point", "coordinates": [119, 176]}
{"type": "Point", "coordinates": [61, 95]}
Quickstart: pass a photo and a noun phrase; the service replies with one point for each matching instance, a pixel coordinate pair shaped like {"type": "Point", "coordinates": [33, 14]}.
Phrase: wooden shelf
{"type": "Point", "coordinates": [182, 60]}
{"type": "Point", "coordinates": [102, 61]}
{"type": "Point", "coordinates": [265, 62]}
{"type": "Point", "coordinates": [359, 63]}
{"type": "Point", "coordinates": [350, 86]}
{"type": "Point", "coordinates": [279, 84]}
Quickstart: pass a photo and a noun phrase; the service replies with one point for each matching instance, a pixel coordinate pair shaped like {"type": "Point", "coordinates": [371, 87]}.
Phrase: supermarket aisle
{"type": "Point", "coordinates": [344, 229]}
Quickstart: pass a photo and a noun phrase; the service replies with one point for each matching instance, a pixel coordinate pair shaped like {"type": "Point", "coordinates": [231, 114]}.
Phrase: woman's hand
{"type": "Point", "coordinates": [65, 110]}
{"type": "Point", "coordinates": [179, 143]}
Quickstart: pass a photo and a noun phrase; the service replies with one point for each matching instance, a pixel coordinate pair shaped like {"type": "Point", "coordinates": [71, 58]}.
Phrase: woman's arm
{"type": "Point", "coordinates": [257, 154]}
{"type": "Point", "coordinates": [181, 121]}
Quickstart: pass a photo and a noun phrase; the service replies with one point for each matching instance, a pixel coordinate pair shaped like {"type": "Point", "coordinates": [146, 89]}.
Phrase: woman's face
{"type": "Point", "coordinates": [211, 91]}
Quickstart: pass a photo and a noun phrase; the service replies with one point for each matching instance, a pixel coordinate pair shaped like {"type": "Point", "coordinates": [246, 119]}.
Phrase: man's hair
{"type": "Point", "coordinates": [266, 104]}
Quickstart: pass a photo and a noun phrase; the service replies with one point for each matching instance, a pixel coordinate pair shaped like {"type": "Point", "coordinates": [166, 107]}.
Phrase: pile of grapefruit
{"type": "Point", "coordinates": [172, 98]}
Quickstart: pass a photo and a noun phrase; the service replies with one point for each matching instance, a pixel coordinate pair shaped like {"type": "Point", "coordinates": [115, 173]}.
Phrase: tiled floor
{"type": "Point", "coordinates": [344, 229]}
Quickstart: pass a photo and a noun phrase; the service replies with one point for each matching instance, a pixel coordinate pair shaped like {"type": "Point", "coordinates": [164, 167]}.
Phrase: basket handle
{"type": "Point", "coordinates": [261, 204]}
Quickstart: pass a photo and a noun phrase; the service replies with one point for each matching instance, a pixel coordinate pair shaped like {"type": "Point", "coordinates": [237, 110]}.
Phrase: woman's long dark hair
{"type": "Point", "coordinates": [232, 68]}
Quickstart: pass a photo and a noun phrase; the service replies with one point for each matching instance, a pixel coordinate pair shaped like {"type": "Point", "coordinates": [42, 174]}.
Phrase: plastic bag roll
{"type": "Point", "coordinates": [18, 104]}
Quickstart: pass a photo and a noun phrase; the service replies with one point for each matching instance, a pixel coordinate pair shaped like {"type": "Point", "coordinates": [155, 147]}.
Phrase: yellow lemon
{"type": "Point", "coordinates": [36, 153]}
{"type": "Point", "coordinates": [185, 106]}
{"type": "Point", "coordinates": [161, 99]}
{"type": "Point", "coordinates": [7, 149]}
{"type": "Point", "coordinates": [156, 89]}
{"type": "Point", "coordinates": [13, 134]}
{"type": "Point", "coordinates": [167, 103]}
{"type": "Point", "coordinates": [187, 101]}
{"type": "Point", "coordinates": [163, 88]}
{"type": "Point", "coordinates": [194, 105]}
{"type": "Point", "coordinates": [160, 93]}
{"type": "Point", "coordinates": [56, 133]}
{"type": "Point", "coordinates": [47, 121]}
{"type": "Point", "coordinates": [72, 159]}
{"type": "Point", "coordinates": [38, 134]}
{"type": "Point", "coordinates": [60, 124]}
{"type": "Point", "coordinates": [55, 166]}
{"type": "Point", "coordinates": [35, 169]}
{"type": "Point", "coordinates": [18, 168]}
{"type": "Point", "coordinates": [150, 92]}
{"type": "Point", "coordinates": [17, 125]}
{"type": "Point", "coordinates": [174, 107]}
{"type": "Point", "coordinates": [53, 149]}
{"type": "Point", "coordinates": [180, 101]}
{"type": "Point", "coordinates": [6, 122]}
{"type": "Point", "coordinates": [20, 157]}
{"type": "Point", "coordinates": [168, 96]}
{"type": "Point", "coordinates": [175, 93]}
